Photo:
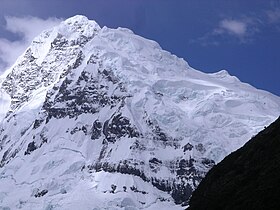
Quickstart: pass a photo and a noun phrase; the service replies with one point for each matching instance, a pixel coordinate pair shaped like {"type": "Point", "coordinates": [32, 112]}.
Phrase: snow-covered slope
{"type": "Point", "coordinates": [99, 118]}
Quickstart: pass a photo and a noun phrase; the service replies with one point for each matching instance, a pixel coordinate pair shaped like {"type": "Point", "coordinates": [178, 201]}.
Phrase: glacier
{"type": "Point", "coordinates": [101, 118]}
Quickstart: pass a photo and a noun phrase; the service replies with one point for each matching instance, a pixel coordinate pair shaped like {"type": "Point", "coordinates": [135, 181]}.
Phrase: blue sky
{"type": "Point", "coordinates": [240, 36]}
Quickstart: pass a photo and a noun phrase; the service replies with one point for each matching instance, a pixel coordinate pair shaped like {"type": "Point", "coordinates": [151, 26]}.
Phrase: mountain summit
{"type": "Point", "coordinates": [100, 118]}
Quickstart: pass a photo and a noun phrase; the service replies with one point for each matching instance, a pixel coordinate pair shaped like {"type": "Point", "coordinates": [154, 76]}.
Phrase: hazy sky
{"type": "Point", "coordinates": [241, 36]}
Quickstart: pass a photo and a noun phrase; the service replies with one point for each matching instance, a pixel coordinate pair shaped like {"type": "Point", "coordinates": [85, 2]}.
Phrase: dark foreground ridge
{"type": "Point", "coordinates": [246, 179]}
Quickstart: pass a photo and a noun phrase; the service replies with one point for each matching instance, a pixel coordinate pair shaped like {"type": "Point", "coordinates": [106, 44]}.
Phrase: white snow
{"type": "Point", "coordinates": [5, 102]}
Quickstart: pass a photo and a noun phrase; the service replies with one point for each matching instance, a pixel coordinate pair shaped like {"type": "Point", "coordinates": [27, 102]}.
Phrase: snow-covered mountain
{"type": "Point", "coordinates": [100, 118]}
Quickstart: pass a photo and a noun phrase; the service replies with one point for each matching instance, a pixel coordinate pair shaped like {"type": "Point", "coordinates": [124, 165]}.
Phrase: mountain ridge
{"type": "Point", "coordinates": [106, 102]}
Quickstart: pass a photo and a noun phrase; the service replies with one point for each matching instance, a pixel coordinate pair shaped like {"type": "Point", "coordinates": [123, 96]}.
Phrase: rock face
{"type": "Point", "coordinates": [90, 112]}
{"type": "Point", "coordinates": [246, 179]}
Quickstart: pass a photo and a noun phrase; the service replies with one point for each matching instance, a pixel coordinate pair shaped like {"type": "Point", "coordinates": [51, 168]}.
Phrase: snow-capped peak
{"type": "Point", "coordinates": [102, 113]}
{"type": "Point", "coordinates": [80, 20]}
{"type": "Point", "coordinates": [78, 26]}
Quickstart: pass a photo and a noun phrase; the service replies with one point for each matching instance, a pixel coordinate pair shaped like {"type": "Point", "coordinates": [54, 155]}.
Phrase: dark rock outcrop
{"type": "Point", "coordinates": [246, 179]}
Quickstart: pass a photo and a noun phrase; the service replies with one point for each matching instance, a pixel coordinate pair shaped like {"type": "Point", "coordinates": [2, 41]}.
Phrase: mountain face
{"type": "Point", "coordinates": [246, 179]}
{"type": "Point", "coordinates": [99, 118]}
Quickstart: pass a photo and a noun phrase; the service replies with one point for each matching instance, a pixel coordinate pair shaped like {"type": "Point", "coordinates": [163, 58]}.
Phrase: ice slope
{"type": "Point", "coordinates": [100, 118]}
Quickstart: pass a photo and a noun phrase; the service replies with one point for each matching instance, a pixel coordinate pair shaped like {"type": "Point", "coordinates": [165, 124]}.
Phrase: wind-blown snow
{"type": "Point", "coordinates": [100, 118]}
{"type": "Point", "coordinates": [5, 101]}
